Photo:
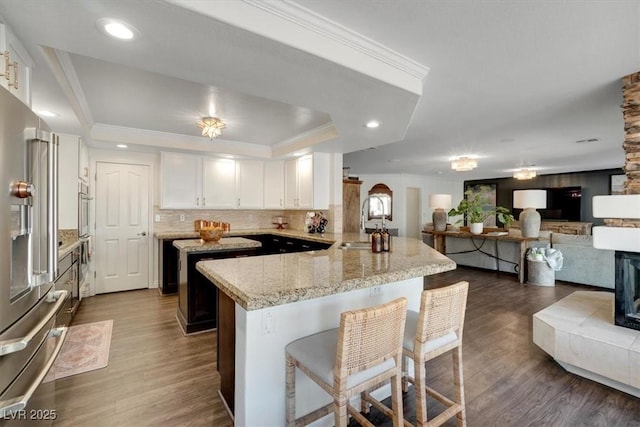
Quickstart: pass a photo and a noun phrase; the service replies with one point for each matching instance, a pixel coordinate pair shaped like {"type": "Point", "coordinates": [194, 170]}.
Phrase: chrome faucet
{"type": "Point", "coordinates": [384, 216]}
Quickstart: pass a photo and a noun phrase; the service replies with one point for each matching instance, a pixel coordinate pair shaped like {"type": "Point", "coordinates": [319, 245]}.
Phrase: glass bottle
{"type": "Point", "coordinates": [376, 241]}
{"type": "Point", "coordinates": [386, 240]}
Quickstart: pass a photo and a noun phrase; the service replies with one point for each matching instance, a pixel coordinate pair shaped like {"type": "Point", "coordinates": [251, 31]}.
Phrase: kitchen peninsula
{"type": "Point", "coordinates": [265, 302]}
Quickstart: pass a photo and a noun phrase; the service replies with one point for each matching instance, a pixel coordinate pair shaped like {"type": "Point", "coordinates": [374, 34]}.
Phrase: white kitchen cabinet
{"type": "Point", "coordinates": [83, 161]}
{"type": "Point", "coordinates": [190, 181]}
{"type": "Point", "coordinates": [274, 184]}
{"type": "Point", "coordinates": [181, 181]}
{"type": "Point", "coordinates": [17, 64]}
{"type": "Point", "coordinates": [307, 182]}
{"type": "Point", "coordinates": [219, 182]}
{"type": "Point", "coordinates": [249, 184]}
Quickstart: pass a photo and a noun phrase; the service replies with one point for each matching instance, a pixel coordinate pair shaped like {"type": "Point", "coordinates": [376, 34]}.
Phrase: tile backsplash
{"type": "Point", "coordinates": [240, 219]}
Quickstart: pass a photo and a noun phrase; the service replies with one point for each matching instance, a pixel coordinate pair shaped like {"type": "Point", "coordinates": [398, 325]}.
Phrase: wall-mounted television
{"type": "Point", "coordinates": [563, 204]}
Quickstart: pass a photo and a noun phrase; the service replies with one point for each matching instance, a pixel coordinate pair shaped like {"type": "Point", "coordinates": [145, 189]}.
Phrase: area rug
{"type": "Point", "coordinates": [85, 348]}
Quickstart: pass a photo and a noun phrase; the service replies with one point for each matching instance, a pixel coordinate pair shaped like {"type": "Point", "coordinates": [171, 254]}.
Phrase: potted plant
{"type": "Point", "coordinates": [475, 207]}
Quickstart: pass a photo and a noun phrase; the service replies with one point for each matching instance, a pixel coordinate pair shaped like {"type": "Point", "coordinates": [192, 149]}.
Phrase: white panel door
{"type": "Point", "coordinates": [219, 184]}
{"type": "Point", "coordinates": [122, 227]}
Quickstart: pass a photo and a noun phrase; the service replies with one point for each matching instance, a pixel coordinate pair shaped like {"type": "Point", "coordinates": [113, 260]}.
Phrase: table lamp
{"type": "Point", "coordinates": [440, 203]}
{"type": "Point", "coordinates": [529, 201]}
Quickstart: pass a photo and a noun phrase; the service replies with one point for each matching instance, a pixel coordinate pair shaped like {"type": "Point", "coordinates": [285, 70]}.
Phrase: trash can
{"type": "Point", "coordinates": [540, 274]}
{"type": "Point", "coordinates": [542, 265]}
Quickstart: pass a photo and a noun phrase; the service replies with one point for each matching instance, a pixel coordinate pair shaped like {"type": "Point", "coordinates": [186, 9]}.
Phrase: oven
{"type": "Point", "coordinates": [83, 210]}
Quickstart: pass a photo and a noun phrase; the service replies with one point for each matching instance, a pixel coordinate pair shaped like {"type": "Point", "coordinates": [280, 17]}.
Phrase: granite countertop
{"type": "Point", "coordinates": [224, 244]}
{"type": "Point", "coordinates": [266, 281]}
{"type": "Point", "coordinates": [324, 238]}
{"type": "Point", "coordinates": [67, 247]}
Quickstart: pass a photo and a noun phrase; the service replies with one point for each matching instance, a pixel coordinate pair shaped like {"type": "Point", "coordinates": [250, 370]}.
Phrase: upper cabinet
{"type": "Point", "coordinates": [67, 182]}
{"type": "Point", "coordinates": [15, 66]}
{"type": "Point", "coordinates": [219, 180]}
{"type": "Point", "coordinates": [307, 182]}
{"type": "Point", "coordinates": [249, 184]}
{"type": "Point", "coordinates": [191, 181]}
{"type": "Point", "coordinates": [274, 184]}
{"type": "Point", "coordinates": [181, 181]}
{"type": "Point", "coordinates": [83, 161]}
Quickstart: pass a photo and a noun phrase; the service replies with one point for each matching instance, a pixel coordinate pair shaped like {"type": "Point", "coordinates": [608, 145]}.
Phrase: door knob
{"type": "Point", "coordinates": [144, 233]}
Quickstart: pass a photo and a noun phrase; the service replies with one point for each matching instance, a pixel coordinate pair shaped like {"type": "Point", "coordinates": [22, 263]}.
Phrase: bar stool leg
{"type": "Point", "coordinates": [458, 383]}
{"type": "Point", "coordinates": [420, 387]}
{"type": "Point", "coordinates": [291, 393]}
{"type": "Point", "coordinates": [396, 401]}
{"type": "Point", "coordinates": [405, 373]}
{"type": "Point", "coordinates": [340, 411]}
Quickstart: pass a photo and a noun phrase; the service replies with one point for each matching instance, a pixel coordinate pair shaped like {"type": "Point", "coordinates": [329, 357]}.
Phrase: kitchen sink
{"type": "Point", "coordinates": [355, 245]}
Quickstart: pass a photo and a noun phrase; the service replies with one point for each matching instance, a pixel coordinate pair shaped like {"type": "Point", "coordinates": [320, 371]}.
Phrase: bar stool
{"type": "Point", "coordinates": [435, 330]}
{"type": "Point", "coordinates": [365, 351]}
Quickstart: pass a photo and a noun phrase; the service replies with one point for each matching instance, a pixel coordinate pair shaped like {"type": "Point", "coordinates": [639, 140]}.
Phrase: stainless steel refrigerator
{"type": "Point", "coordinates": [29, 342]}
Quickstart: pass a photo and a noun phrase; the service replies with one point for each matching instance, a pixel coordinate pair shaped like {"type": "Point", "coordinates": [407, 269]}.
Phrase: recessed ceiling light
{"type": "Point", "coordinates": [372, 124]}
{"type": "Point", "coordinates": [118, 29]}
{"type": "Point", "coordinates": [46, 113]}
{"type": "Point", "coordinates": [121, 146]}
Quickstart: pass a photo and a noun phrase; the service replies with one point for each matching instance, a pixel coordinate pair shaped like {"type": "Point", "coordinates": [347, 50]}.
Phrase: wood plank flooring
{"type": "Point", "coordinates": [156, 376]}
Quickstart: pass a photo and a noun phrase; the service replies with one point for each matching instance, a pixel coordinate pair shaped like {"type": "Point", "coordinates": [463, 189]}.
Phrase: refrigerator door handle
{"type": "Point", "coordinates": [20, 402]}
{"type": "Point", "coordinates": [18, 344]}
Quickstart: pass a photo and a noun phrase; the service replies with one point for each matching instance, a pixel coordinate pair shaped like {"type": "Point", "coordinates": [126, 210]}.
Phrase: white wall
{"type": "Point", "coordinates": [399, 183]}
{"type": "Point", "coordinates": [68, 182]}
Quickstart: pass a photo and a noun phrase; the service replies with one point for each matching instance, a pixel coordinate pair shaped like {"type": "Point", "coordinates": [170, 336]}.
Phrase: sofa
{"type": "Point", "coordinates": [582, 262]}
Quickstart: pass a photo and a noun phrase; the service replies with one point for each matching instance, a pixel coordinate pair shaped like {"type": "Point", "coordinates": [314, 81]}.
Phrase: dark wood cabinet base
{"type": "Point", "coordinates": [194, 328]}
{"type": "Point", "coordinates": [226, 345]}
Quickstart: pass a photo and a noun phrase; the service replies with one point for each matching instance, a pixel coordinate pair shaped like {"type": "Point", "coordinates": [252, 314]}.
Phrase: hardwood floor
{"type": "Point", "coordinates": [156, 376]}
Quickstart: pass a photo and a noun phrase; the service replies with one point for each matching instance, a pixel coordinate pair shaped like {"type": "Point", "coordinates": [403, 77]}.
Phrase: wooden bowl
{"type": "Point", "coordinates": [211, 234]}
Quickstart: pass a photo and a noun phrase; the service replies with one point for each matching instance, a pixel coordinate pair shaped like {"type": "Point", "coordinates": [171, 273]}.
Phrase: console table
{"type": "Point", "coordinates": [521, 244]}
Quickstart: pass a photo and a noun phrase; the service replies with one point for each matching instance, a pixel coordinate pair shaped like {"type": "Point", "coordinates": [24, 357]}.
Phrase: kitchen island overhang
{"type": "Point", "coordinates": [276, 299]}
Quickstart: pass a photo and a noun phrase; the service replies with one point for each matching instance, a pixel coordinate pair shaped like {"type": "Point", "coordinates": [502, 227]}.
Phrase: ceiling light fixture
{"type": "Point", "coordinates": [463, 164]}
{"type": "Point", "coordinates": [117, 29]}
{"type": "Point", "coordinates": [121, 146]}
{"type": "Point", "coordinates": [372, 124]}
{"type": "Point", "coordinates": [524, 173]}
{"type": "Point", "coordinates": [46, 113]}
{"type": "Point", "coordinates": [211, 126]}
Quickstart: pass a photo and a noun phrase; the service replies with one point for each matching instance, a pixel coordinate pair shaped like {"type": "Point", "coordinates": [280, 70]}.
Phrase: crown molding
{"type": "Point", "coordinates": [309, 20]}
{"type": "Point", "coordinates": [65, 74]}
{"type": "Point", "coordinates": [296, 26]}
{"type": "Point", "coordinates": [101, 132]}
{"type": "Point", "coordinates": [304, 140]}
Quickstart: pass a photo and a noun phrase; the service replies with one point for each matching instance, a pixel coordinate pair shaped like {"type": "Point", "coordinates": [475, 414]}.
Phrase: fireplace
{"type": "Point", "coordinates": [627, 299]}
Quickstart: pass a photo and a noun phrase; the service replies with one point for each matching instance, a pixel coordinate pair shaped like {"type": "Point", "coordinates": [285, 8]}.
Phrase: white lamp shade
{"type": "Point", "coordinates": [536, 199]}
{"type": "Point", "coordinates": [440, 201]}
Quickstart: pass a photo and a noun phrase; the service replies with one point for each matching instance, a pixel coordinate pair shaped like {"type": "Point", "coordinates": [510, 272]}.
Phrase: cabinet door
{"type": "Point", "coordinates": [219, 183]}
{"type": "Point", "coordinates": [291, 184]}
{"type": "Point", "coordinates": [67, 182]}
{"type": "Point", "coordinates": [305, 182]}
{"type": "Point", "coordinates": [181, 181]}
{"type": "Point", "coordinates": [83, 161]}
{"type": "Point", "coordinates": [274, 185]}
{"type": "Point", "coordinates": [249, 184]}
{"type": "Point", "coordinates": [19, 82]}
